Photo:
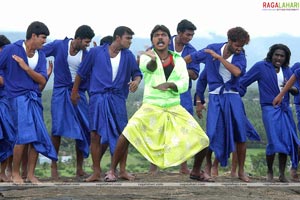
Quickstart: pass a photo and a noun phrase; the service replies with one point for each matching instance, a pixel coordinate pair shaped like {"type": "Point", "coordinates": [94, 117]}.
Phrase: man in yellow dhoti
{"type": "Point", "coordinates": [162, 130]}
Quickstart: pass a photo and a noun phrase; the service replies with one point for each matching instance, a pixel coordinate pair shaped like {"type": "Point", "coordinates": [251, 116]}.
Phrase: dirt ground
{"type": "Point", "coordinates": [164, 185]}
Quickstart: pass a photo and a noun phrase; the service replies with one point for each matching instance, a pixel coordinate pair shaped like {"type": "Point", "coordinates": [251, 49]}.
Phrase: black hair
{"type": "Point", "coordinates": [84, 32]}
{"type": "Point", "coordinates": [161, 28]}
{"type": "Point", "coordinates": [106, 40]}
{"type": "Point", "coordinates": [238, 34]}
{"type": "Point", "coordinates": [4, 41]}
{"type": "Point", "coordinates": [184, 25]}
{"type": "Point", "coordinates": [37, 28]}
{"type": "Point", "coordinates": [121, 30]}
{"type": "Point", "coordinates": [283, 47]}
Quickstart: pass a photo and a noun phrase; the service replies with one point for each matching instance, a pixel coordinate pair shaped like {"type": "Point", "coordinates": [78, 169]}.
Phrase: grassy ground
{"type": "Point", "coordinates": [135, 163]}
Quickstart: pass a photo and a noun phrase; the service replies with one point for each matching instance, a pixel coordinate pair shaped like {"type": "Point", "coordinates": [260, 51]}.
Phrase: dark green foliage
{"type": "Point", "coordinates": [259, 161]}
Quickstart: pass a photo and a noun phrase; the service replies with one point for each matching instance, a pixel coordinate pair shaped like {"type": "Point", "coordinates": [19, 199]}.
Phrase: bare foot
{"type": "Point", "coordinates": [233, 174]}
{"type": "Point", "coordinates": [184, 169]}
{"type": "Point", "coordinates": [32, 180]}
{"type": "Point", "coordinates": [4, 178]}
{"type": "Point", "coordinates": [207, 169]}
{"type": "Point", "coordinates": [214, 171]}
{"type": "Point", "coordinates": [94, 177]}
{"type": "Point", "coordinates": [8, 172]}
{"type": "Point", "coordinates": [17, 179]}
{"type": "Point", "coordinates": [110, 177]}
{"type": "Point", "coordinates": [206, 177]}
{"type": "Point", "coordinates": [283, 179]}
{"type": "Point", "coordinates": [153, 169]}
{"type": "Point", "coordinates": [126, 176]}
{"type": "Point", "coordinates": [81, 173]}
{"type": "Point", "coordinates": [116, 172]}
{"type": "Point", "coordinates": [294, 175]}
{"type": "Point", "coordinates": [24, 174]}
{"type": "Point", "coordinates": [270, 177]}
{"type": "Point", "coordinates": [244, 178]}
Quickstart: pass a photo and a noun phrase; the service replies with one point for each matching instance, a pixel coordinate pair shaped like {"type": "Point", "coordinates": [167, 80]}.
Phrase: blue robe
{"type": "Point", "coordinates": [24, 97]}
{"type": "Point", "coordinates": [68, 120]}
{"type": "Point", "coordinates": [200, 90]}
{"type": "Point", "coordinates": [278, 121]}
{"type": "Point", "coordinates": [7, 130]}
{"type": "Point", "coordinates": [107, 108]}
{"type": "Point", "coordinates": [297, 96]}
{"type": "Point", "coordinates": [226, 118]}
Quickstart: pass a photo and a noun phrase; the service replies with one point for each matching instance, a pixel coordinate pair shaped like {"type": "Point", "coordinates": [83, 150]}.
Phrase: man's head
{"type": "Point", "coordinates": [84, 32]}
{"type": "Point", "coordinates": [123, 35]}
{"type": "Point", "coordinates": [83, 36]}
{"type": "Point", "coordinates": [106, 40]}
{"type": "Point", "coordinates": [185, 31]}
{"type": "Point", "coordinates": [160, 37]}
{"type": "Point", "coordinates": [37, 28]}
{"type": "Point", "coordinates": [279, 55]}
{"type": "Point", "coordinates": [237, 38]}
{"type": "Point", "coordinates": [3, 41]}
{"type": "Point", "coordinates": [160, 28]}
{"type": "Point", "coordinates": [37, 33]}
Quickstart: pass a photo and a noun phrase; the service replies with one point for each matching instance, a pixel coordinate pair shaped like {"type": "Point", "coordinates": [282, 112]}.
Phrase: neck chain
{"type": "Point", "coordinates": [164, 59]}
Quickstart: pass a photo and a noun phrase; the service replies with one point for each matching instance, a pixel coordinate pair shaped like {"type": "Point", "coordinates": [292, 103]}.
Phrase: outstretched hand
{"type": "Point", "coordinates": [149, 53]}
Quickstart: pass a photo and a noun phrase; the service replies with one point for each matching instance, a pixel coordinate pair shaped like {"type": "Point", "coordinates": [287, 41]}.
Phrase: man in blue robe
{"type": "Point", "coordinates": [113, 72]}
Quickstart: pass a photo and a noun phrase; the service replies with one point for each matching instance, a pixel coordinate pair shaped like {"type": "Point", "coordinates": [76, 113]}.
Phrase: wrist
{"type": "Point", "coordinates": [27, 69]}
{"type": "Point", "coordinates": [138, 80]}
{"type": "Point", "coordinates": [74, 89]}
{"type": "Point", "coordinates": [200, 102]}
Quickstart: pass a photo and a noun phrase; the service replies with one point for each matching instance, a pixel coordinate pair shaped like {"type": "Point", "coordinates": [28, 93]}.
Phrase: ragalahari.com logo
{"type": "Point", "coordinates": [281, 6]}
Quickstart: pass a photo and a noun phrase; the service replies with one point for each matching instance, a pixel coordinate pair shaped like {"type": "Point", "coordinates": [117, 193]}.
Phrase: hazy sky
{"type": "Point", "coordinates": [210, 16]}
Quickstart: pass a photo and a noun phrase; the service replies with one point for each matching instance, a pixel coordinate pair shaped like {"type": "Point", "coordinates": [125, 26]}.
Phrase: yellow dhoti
{"type": "Point", "coordinates": [165, 136]}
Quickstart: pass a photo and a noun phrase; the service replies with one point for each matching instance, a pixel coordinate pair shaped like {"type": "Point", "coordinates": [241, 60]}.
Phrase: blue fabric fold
{"type": "Point", "coordinates": [7, 131]}
{"type": "Point", "coordinates": [227, 124]}
{"type": "Point", "coordinates": [281, 132]}
{"type": "Point", "coordinates": [108, 116]}
{"type": "Point", "coordinates": [70, 120]}
{"type": "Point", "coordinates": [30, 124]}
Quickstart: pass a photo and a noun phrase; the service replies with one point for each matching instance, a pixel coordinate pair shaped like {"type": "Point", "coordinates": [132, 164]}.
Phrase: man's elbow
{"type": "Point", "coordinates": [237, 73]}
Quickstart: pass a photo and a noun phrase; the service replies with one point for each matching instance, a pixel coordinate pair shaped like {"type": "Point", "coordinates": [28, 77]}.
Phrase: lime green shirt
{"type": "Point", "coordinates": [179, 76]}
